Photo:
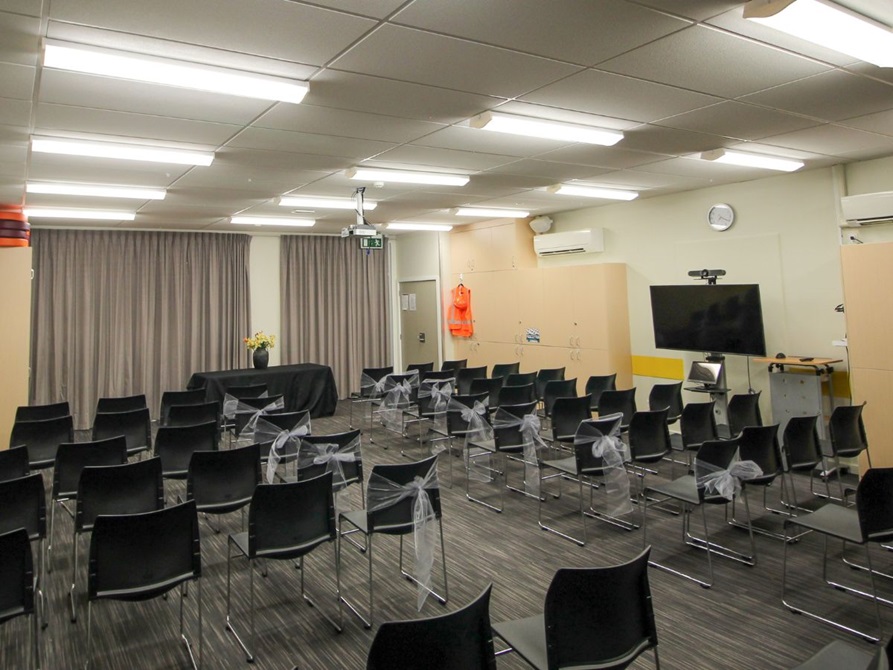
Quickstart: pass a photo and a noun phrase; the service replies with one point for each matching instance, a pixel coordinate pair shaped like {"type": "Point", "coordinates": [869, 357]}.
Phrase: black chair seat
{"type": "Point", "coordinates": [285, 553]}
{"type": "Point", "coordinates": [224, 507]}
{"type": "Point", "coordinates": [834, 520]}
{"type": "Point", "coordinates": [837, 655]}
{"type": "Point", "coordinates": [528, 637]}
{"type": "Point", "coordinates": [684, 488]}
{"type": "Point", "coordinates": [565, 465]}
{"type": "Point", "coordinates": [357, 518]}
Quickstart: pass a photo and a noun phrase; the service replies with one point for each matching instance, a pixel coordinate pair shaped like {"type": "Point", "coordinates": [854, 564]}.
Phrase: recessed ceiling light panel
{"type": "Point", "coordinates": [406, 177]}
{"type": "Point", "coordinates": [550, 130]}
{"type": "Point", "coordinates": [323, 203]}
{"type": "Point", "coordinates": [592, 192]}
{"type": "Point", "coordinates": [96, 190]}
{"type": "Point", "coordinates": [272, 221]}
{"type": "Point", "coordinates": [132, 152]}
{"type": "Point", "coordinates": [491, 211]}
{"type": "Point", "coordinates": [752, 160]}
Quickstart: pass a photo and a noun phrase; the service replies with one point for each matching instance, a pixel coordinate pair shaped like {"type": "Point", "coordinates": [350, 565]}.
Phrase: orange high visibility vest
{"type": "Point", "coordinates": [459, 319]}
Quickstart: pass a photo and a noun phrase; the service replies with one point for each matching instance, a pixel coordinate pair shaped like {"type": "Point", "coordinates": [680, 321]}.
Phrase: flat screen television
{"type": "Point", "coordinates": [721, 318]}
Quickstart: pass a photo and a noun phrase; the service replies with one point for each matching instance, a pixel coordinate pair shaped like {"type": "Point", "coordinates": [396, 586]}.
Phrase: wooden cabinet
{"type": "Point", "coordinates": [15, 309]}
{"type": "Point", "coordinates": [491, 246]}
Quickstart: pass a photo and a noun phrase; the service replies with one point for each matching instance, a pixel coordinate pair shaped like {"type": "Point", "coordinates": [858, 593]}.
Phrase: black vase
{"type": "Point", "coordinates": [261, 358]}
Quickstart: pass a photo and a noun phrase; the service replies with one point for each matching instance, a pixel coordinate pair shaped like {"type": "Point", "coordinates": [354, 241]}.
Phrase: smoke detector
{"type": "Point", "coordinates": [540, 224]}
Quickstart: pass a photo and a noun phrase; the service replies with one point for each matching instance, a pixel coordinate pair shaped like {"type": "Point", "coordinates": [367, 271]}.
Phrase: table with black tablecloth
{"type": "Point", "coordinates": [303, 386]}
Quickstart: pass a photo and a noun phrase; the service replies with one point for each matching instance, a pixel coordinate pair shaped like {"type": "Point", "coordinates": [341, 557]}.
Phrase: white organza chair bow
{"type": "Point", "coordinates": [434, 397]}
{"type": "Point", "coordinates": [371, 389]}
{"type": "Point", "coordinates": [338, 453]}
{"type": "Point", "coordinates": [399, 396]}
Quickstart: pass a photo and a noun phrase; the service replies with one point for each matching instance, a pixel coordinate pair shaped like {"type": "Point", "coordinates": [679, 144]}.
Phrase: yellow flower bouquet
{"type": "Point", "coordinates": [260, 341]}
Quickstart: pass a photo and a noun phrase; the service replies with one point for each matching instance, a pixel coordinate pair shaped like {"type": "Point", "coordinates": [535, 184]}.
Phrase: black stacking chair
{"type": "Point", "coordinates": [23, 505]}
{"type": "Point", "coordinates": [618, 402]}
{"type": "Point", "coordinates": [136, 557]}
{"type": "Point", "coordinates": [455, 365]}
{"type": "Point", "coordinates": [558, 388]}
{"type": "Point", "coordinates": [437, 374]}
{"type": "Point", "coordinates": [17, 585]}
{"type": "Point", "coordinates": [131, 488]}
{"type": "Point", "coordinates": [460, 640]}
{"type": "Point", "coordinates": [848, 439]}
{"type": "Point", "coordinates": [697, 425]}
{"type": "Point", "coordinates": [420, 367]}
{"type": "Point", "coordinates": [760, 445]}
{"type": "Point", "coordinates": [71, 459]}
{"type": "Point", "coordinates": [614, 600]}
{"type": "Point", "coordinates": [174, 445]}
{"type": "Point", "coordinates": [259, 404]}
{"type": "Point", "coordinates": [395, 518]}
{"type": "Point", "coordinates": [505, 369]}
{"type": "Point", "coordinates": [42, 439]}
{"type": "Point", "coordinates": [121, 403]}
{"type": "Point", "coordinates": [669, 396]}
{"type": "Point", "coordinates": [457, 427]}
{"type": "Point", "coordinates": [521, 379]}
{"type": "Point", "coordinates": [713, 455]}
{"type": "Point", "coordinates": [352, 471]}
{"type": "Point", "coordinates": [567, 413]}
{"type": "Point", "coordinates": [14, 463]}
{"type": "Point", "coordinates": [285, 522]}
{"type": "Point", "coordinates": [871, 521]}
{"type": "Point", "coordinates": [464, 377]}
{"type": "Point", "coordinates": [283, 421]}
{"type": "Point", "coordinates": [171, 398]}
{"type": "Point", "coordinates": [802, 451]}
{"type": "Point", "coordinates": [649, 441]}
{"type": "Point", "coordinates": [489, 385]}
{"type": "Point", "coordinates": [744, 410]}
{"type": "Point", "coordinates": [838, 654]}
{"type": "Point", "coordinates": [545, 376]}
{"type": "Point", "coordinates": [135, 425]}
{"type": "Point", "coordinates": [221, 482]}
{"type": "Point", "coordinates": [598, 383]}
{"type": "Point", "coordinates": [247, 391]}
{"type": "Point", "coordinates": [39, 412]}
{"type": "Point", "coordinates": [189, 415]}
{"type": "Point", "coordinates": [367, 393]}
{"type": "Point", "coordinates": [516, 395]}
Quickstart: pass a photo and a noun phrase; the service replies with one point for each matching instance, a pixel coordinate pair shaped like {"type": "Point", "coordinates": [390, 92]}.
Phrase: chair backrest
{"type": "Point", "coordinates": [744, 410]}
{"type": "Point", "coordinates": [456, 425]}
{"type": "Point", "coordinates": [586, 462]}
{"type": "Point", "coordinates": [259, 402]}
{"type": "Point", "coordinates": [760, 445]}
{"type": "Point", "coordinates": [667, 395]}
{"type": "Point", "coordinates": [118, 489]}
{"type": "Point", "coordinates": [42, 438]}
{"type": "Point", "coordinates": [489, 385]}
{"type": "Point", "coordinates": [421, 367]}
{"type": "Point", "coordinates": [171, 398]}
{"type": "Point", "coordinates": [73, 457]}
{"type": "Point", "coordinates": [801, 444]}
{"type": "Point", "coordinates": [246, 391]}
{"type": "Point", "coordinates": [464, 377]}
{"type": "Point", "coordinates": [520, 379]}
{"type": "Point", "coordinates": [460, 640]}
{"type": "Point", "coordinates": [243, 417]}
{"type": "Point", "coordinates": [135, 425]}
{"type": "Point", "coordinates": [398, 518]}
{"type": "Point", "coordinates": [874, 504]}
{"type": "Point", "coordinates": [712, 456]}
{"type": "Point", "coordinates": [120, 403]}
{"type": "Point", "coordinates": [352, 471]}
{"type": "Point", "coordinates": [224, 480]}
{"type": "Point", "coordinates": [455, 365]}
{"type": "Point", "coordinates": [557, 388]}
{"type": "Point", "coordinates": [188, 415]}
{"type": "Point", "coordinates": [370, 376]}
{"type": "Point", "coordinates": [16, 575]}
{"type": "Point", "coordinates": [847, 431]}
{"type": "Point", "coordinates": [23, 504]}
{"type": "Point", "coordinates": [506, 437]}
{"type": "Point", "coordinates": [289, 520]}
{"type": "Point", "coordinates": [38, 412]}
{"type": "Point", "coordinates": [622, 401]}
{"type": "Point", "coordinates": [614, 600]}
{"type": "Point", "coordinates": [698, 424]}
{"type": "Point", "coordinates": [437, 374]}
{"type": "Point", "coordinates": [140, 556]}
{"type": "Point", "coordinates": [598, 383]}
{"type": "Point", "coordinates": [567, 413]}
{"type": "Point", "coordinates": [516, 395]}
{"type": "Point", "coordinates": [649, 436]}
{"type": "Point", "coordinates": [505, 369]}
{"type": "Point", "coordinates": [174, 445]}
{"type": "Point", "coordinates": [543, 377]}
{"type": "Point", "coordinates": [14, 463]}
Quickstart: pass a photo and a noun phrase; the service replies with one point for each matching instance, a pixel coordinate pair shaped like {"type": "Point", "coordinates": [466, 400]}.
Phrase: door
{"type": "Point", "coordinates": [419, 324]}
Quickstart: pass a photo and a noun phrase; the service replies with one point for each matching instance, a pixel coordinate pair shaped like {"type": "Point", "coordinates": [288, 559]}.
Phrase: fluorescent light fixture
{"type": "Point", "coordinates": [272, 221]}
{"type": "Point", "coordinates": [131, 152]}
{"type": "Point", "coordinates": [96, 190]}
{"type": "Point", "coordinates": [752, 160]}
{"type": "Point", "coordinates": [324, 203]}
{"type": "Point", "coordinates": [592, 192]}
{"type": "Point", "coordinates": [153, 70]}
{"type": "Point", "coordinates": [550, 130]}
{"type": "Point", "coordinates": [433, 227]}
{"type": "Point", "coordinates": [51, 213]}
{"type": "Point", "coordinates": [828, 25]}
{"type": "Point", "coordinates": [490, 211]}
{"type": "Point", "coordinates": [405, 177]}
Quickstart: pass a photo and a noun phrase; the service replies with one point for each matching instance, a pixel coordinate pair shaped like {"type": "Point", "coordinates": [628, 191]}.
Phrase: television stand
{"type": "Point", "coordinates": [710, 377]}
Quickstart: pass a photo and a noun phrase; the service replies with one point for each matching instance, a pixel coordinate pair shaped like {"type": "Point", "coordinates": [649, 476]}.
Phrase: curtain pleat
{"type": "Point", "coordinates": [123, 312]}
{"type": "Point", "coordinates": [334, 306]}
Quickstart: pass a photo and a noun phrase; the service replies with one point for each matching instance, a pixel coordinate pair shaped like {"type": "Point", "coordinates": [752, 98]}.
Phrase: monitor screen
{"type": "Point", "coordinates": [723, 318]}
{"type": "Point", "coordinates": [704, 373]}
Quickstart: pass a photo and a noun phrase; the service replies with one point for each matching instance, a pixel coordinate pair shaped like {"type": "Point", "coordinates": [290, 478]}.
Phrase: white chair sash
{"type": "Point", "coordinates": [396, 400]}
{"type": "Point", "coordinates": [726, 483]}
{"type": "Point", "coordinates": [264, 431]}
{"type": "Point", "coordinates": [441, 392]}
{"type": "Point", "coordinates": [613, 453]}
{"type": "Point", "coordinates": [333, 457]}
{"type": "Point", "coordinates": [529, 426]}
{"type": "Point", "coordinates": [382, 493]}
{"type": "Point", "coordinates": [232, 405]}
{"type": "Point", "coordinates": [371, 388]}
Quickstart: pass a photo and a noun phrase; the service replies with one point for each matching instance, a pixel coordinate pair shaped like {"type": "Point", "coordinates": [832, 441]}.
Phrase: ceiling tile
{"type": "Point", "coordinates": [18, 81]}
{"type": "Point", "coordinates": [49, 167]}
{"type": "Point", "coordinates": [870, 70]}
{"type": "Point", "coordinates": [15, 112]}
{"type": "Point", "coordinates": [473, 139]}
{"type": "Point", "coordinates": [607, 157]}
{"type": "Point", "coordinates": [882, 122]}
{"type": "Point", "coordinates": [28, 7]}
{"type": "Point", "coordinates": [612, 26]}
{"type": "Point", "coordinates": [619, 96]}
{"type": "Point", "coordinates": [692, 9]}
{"type": "Point", "coordinates": [10, 192]}
{"type": "Point", "coordinates": [280, 160]}
{"type": "Point", "coordinates": [554, 172]}
{"type": "Point", "coordinates": [656, 139]}
{"type": "Point", "coordinates": [566, 115]}
{"type": "Point", "coordinates": [638, 180]}
{"type": "Point", "coordinates": [444, 158]}
{"type": "Point", "coordinates": [378, 9]}
{"type": "Point", "coordinates": [427, 58]}
{"type": "Point", "coordinates": [738, 120]}
{"type": "Point", "coordinates": [710, 61]}
{"type": "Point", "coordinates": [252, 179]}
{"type": "Point", "coordinates": [19, 38]}
{"type": "Point", "coordinates": [308, 143]}
{"type": "Point", "coordinates": [834, 140]}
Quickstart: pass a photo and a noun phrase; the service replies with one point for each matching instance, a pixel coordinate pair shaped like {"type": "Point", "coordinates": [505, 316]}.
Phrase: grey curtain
{"type": "Point", "coordinates": [122, 312]}
{"type": "Point", "coordinates": [334, 306]}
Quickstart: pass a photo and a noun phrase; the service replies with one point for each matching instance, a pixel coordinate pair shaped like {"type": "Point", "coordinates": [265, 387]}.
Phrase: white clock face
{"type": "Point", "coordinates": [721, 217]}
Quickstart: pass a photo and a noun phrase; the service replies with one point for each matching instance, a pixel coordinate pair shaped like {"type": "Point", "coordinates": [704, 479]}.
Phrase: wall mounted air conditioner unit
{"type": "Point", "coordinates": [571, 242]}
{"type": "Point", "coordinates": [868, 208]}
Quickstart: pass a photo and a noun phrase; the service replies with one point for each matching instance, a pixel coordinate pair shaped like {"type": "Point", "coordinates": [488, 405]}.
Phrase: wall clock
{"type": "Point", "coordinates": [721, 217]}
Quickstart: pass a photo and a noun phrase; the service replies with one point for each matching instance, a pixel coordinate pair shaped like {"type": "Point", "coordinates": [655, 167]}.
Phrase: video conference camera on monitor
{"type": "Point", "coordinates": [710, 276]}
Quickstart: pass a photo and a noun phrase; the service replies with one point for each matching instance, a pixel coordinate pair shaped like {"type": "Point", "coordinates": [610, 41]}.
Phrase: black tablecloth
{"type": "Point", "coordinates": [304, 386]}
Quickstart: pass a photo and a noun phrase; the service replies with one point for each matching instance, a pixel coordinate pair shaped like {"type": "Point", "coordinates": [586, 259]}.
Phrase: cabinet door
{"type": "Point", "coordinates": [559, 295]}
{"type": "Point", "coordinates": [480, 250]}
{"type": "Point", "coordinates": [460, 252]}
{"type": "Point", "coordinates": [526, 291]}
{"type": "Point", "coordinates": [495, 306]}
{"type": "Point", "coordinates": [591, 315]}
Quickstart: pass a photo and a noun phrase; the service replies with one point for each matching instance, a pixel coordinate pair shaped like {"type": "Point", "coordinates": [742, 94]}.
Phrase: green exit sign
{"type": "Point", "coordinates": [372, 242]}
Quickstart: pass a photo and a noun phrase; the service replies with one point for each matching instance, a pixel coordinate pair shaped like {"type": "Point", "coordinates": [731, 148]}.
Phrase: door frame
{"type": "Point", "coordinates": [439, 294]}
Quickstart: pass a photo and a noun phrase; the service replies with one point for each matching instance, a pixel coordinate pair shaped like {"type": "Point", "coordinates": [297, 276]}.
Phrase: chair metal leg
{"type": "Point", "coordinates": [74, 577]}
{"type": "Point", "coordinates": [249, 657]}
{"type": "Point", "coordinates": [566, 536]}
{"type": "Point", "coordinates": [367, 622]}
{"type": "Point", "coordinates": [89, 634]}
{"type": "Point", "coordinates": [340, 625]}
{"type": "Point", "coordinates": [35, 640]}
{"type": "Point", "coordinates": [442, 599]}
{"type": "Point", "coordinates": [495, 472]}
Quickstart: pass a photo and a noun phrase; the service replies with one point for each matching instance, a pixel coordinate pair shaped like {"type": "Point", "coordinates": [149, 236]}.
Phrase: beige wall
{"type": "Point", "coordinates": [263, 274]}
